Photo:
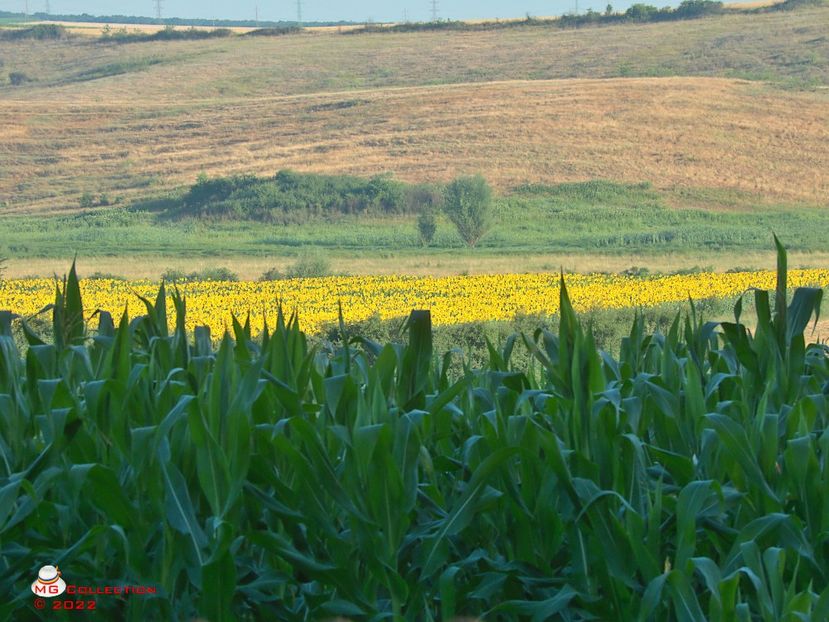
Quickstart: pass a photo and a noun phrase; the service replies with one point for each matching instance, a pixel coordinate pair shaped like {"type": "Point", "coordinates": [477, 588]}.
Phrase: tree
{"type": "Point", "coordinates": [427, 225]}
{"type": "Point", "coordinates": [608, 10]}
{"type": "Point", "coordinates": [468, 204]}
{"type": "Point", "coordinates": [641, 12]}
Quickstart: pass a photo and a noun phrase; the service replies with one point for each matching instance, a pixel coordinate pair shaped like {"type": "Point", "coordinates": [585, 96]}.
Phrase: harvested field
{"type": "Point", "coordinates": [675, 131]}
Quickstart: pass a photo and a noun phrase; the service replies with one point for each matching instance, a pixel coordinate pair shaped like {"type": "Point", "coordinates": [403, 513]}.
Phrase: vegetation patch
{"type": "Point", "coordinates": [38, 32]}
{"type": "Point", "coordinates": [115, 69]}
{"type": "Point", "coordinates": [169, 33]}
{"type": "Point", "coordinates": [275, 31]}
{"type": "Point", "coordinates": [290, 197]}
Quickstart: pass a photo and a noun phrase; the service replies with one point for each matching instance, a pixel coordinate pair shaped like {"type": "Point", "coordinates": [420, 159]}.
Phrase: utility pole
{"type": "Point", "coordinates": [405, 16]}
{"type": "Point", "coordinates": [257, 16]}
{"type": "Point", "coordinates": [299, 12]}
{"type": "Point", "coordinates": [47, 8]}
{"type": "Point", "coordinates": [158, 4]}
{"type": "Point", "coordinates": [434, 10]}
{"type": "Point", "coordinates": [26, 8]}
{"type": "Point", "coordinates": [577, 7]}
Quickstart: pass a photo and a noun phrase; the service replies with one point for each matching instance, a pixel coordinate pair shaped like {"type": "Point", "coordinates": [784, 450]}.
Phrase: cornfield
{"type": "Point", "coordinates": [258, 478]}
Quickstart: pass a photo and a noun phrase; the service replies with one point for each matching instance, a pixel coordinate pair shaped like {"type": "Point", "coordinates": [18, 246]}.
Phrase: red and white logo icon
{"type": "Point", "coordinates": [49, 582]}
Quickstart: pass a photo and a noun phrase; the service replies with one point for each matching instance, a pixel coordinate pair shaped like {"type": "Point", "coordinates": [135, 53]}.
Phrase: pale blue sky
{"type": "Point", "coordinates": [320, 10]}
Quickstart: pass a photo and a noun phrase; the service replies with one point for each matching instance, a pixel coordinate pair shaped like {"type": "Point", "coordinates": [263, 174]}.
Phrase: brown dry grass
{"type": "Point", "coordinates": [251, 268]}
{"type": "Point", "coordinates": [688, 132]}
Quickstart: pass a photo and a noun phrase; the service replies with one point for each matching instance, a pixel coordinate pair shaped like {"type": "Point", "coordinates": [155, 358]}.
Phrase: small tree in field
{"type": "Point", "coordinates": [468, 204]}
{"type": "Point", "coordinates": [427, 225]}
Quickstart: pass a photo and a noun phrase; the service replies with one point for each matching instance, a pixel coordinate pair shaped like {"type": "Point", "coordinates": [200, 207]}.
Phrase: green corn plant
{"type": "Point", "coordinates": [251, 477]}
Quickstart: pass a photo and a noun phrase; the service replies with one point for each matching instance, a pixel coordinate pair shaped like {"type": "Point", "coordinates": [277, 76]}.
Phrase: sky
{"type": "Point", "coordinates": [317, 10]}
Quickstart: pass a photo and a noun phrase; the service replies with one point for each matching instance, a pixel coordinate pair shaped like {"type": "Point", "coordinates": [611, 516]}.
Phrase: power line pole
{"type": "Point", "coordinates": [26, 8]}
{"type": "Point", "coordinates": [257, 15]}
{"type": "Point", "coordinates": [299, 12]}
{"type": "Point", "coordinates": [158, 4]}
{"type": "Point", "coordinates": [47, 8]}
{"type": "Point", "coordinates": [434, 10]}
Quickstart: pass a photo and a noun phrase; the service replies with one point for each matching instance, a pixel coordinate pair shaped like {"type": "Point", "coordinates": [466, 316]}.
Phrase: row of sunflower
{"type": "Point", "coordinates": [452, 299]}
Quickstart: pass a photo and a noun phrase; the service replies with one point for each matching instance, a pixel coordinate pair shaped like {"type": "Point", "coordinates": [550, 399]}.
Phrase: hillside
{"type": "Point", "coordinates": [732, 103]}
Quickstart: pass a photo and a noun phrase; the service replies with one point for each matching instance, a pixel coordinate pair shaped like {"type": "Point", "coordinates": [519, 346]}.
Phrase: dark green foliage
{"type": "Point", "coordinates": [38, 32]}
{"type": "Point", "coordinates": [272, 274]}
{"type": "Point", "coordinates": [310, 264]}
{"type": "Point", "coordinates": [468, 204]}
{"type": "Point", "coordinates": [87, 200]}
{"type": "Point", "coordinates": [641, 12]}
{"type": "Point", "coordinates": [169, 33]}
{"type": "Point", "coordinates": [422, 196]}
{"type": "Point", "coordinates": [97, 275]}
{"type": "Point", "coordinates": [291, 197]}
{"type": "Point", "coordinates": [274, 32]}
{"type": "Point", "coordinates": [427, 225]}
{"type": "Point", "coordinates": [263, 478]}
{"type": "Point", "coordinates": [687, 9]}
{"type": "Point", "coordinates": [17, 78]}
{"type": "Point", "coordinates": [207, 274]}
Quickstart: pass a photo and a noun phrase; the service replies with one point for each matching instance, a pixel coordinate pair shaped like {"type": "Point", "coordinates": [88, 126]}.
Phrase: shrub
{"type": "Point", "coordinates": [87, 200]}
{"type": "Point", "coordinates": [422, 196]}
{"type": "Point", "coordinates": [272, 274]}
{"type": "Point", "coordinates": [468, 204]}
{"type": "Point", "coordinates": [105, 276]}
{"type": "Point", "coordinates": [642, 12]}
{"type": "Point", "coordinates": [208, 274]}
{"type": "Point", "coordinates": [274, 32]}
{"type": "Point", "coordinates": [16, 78]}
{"type": "Point", "coordinates": [172, 275]}
{"type": "Point", "coordinates": [213, 274]}
{"type": "Point", "coordinates": [40, 32]}
{"type": "Point", "coordinates": [310, 264]}
{"type": "Point", "coordinates": [427, 225]}
{"type": "Point", "coordinates": [635, 271]}
{"type": "Point", "coordinates": [688, 9]}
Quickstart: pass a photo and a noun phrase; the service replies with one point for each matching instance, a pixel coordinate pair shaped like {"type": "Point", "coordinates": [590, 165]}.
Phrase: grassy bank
{"type": "Point", "coordinates": [567, 220]}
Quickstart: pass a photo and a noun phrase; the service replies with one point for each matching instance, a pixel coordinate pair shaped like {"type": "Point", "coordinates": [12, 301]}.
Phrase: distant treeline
{"type": "Point", "coordinates": [290, 197]}
{"type": "Point", "coordinates": [688, 9]}
{"type": "Point", "coordinates": [640, 12]}
{"type": "Point", "coordinates": [166, 21]}
{"type": "Point", "coordinates": [637, 13]}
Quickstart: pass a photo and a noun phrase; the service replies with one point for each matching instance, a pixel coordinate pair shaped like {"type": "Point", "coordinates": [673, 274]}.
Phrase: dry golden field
{"type": "Point", "coordinates": [661, 104]}
{"type": "Point", "coordinates": [675, 131]}
{"type": "Point", "coordinates": [250, 268]}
